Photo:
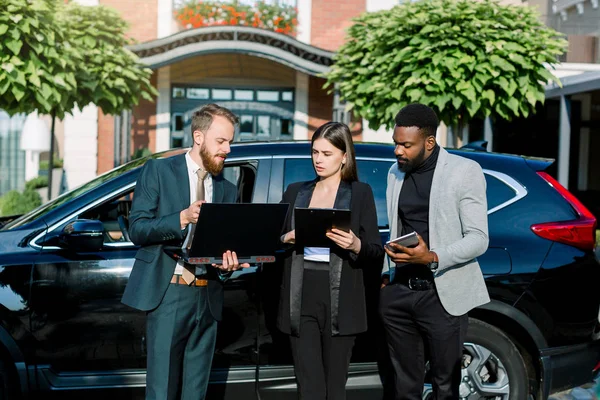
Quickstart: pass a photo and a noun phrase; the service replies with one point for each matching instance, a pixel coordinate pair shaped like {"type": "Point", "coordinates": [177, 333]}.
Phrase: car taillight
{"type": "Point", "coordinates": [580, 232]}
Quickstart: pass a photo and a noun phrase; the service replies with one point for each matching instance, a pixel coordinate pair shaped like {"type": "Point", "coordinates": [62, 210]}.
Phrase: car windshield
{"type": "Point", "coordinates": [79, 191]}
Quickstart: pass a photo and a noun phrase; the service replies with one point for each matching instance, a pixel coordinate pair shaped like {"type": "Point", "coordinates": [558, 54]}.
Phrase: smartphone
{"type": "Point", "coordinates": [408, 240]}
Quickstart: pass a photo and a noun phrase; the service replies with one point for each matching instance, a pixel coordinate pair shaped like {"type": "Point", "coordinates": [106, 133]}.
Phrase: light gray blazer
{"type": "Point", "coordinates": [458, 229]}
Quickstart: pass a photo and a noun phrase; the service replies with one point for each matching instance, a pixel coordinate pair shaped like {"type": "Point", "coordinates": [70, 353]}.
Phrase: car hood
{"type": "Point", "coordinates": [17, 241]}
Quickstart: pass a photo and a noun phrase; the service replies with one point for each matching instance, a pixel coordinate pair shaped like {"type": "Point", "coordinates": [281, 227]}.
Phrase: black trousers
{"type": "Point", "coordinates": [416, 321]}
{"type": "Point", "coordinates": [321, 361]}
{"type": "Point", "coordinates": [181, 335]}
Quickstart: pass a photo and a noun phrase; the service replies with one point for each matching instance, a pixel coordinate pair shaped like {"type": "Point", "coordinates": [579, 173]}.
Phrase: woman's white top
{"type": "Point", "coordinates": [317, 254]}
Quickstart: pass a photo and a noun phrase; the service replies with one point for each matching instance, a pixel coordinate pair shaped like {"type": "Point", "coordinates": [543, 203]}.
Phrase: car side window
{"type": "Point", "coordinates": [372, 172]}
{"type": "Point", "coordinates": [375, 174]}
{"type": "Point", "coordinates": [114, 215]}
{"type": "Point", "coordinates": [243, 176]}
{"type": "Point", "coordinates": [297, 170]}
{"type": "Point", "coordinates": [497, 192]}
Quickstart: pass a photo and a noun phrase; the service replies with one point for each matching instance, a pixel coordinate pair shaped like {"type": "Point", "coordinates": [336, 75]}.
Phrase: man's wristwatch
{"type": "Point", "coordinates": [433, 265]}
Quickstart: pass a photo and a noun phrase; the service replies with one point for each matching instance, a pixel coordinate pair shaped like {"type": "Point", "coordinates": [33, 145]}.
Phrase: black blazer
{"type": "Point", "coordinates": [161, 192]}
{"type": "Point", "coordinates": [348, 308]}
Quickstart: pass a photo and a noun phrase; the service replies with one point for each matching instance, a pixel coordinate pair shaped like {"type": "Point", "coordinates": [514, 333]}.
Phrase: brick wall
{"type": "Point", "coordinates": [320, 109]}
{"type": "Point", "coordinates": [330, 19]}
{"type": "Point", "coordinates": [142, 18]}
{"type": "Point", "coordinates": [582, 49]}
{"type": "Point", "coordinates": [143, 124]}
{"type": "Point", "coordinates": [140, 14]}
{"type": "Point", "coordinates": [320, 104]}
{"type": "Point", "coordinates": [106, 142]}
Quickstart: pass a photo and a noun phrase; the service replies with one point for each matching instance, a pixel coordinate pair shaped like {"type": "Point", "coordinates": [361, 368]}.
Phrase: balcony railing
{"type": "Point", "coordinates": [275, 15]}
{"type": "Point", "coordinates": [292, 3]}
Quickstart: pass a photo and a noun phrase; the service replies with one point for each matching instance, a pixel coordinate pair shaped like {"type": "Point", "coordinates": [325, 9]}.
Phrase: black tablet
{"type": "Point", "coordinates": [312, 224]}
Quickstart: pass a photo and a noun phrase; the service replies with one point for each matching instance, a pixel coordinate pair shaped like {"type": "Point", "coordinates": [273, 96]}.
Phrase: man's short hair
{"type": "Point", "coordinates": [418, 115]}
{"type": "Point", "coordinates": [203, 118]}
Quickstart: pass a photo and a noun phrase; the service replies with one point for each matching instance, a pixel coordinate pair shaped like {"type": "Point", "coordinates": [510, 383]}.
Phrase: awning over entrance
{"type": "Point", "coordinates": [575, 78]}
{"type": "Point", "coordinates": [234, 39]}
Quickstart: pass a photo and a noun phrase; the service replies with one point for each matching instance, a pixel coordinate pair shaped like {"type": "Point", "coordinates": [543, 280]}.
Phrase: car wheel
{"type": "Point", "coordinates": [492, 367]}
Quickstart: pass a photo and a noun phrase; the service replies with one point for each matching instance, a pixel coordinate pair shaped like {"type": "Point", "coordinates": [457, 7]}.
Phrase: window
{"type": "Point", "coordinates": [114, 216]}
{"type": "Point", "coordinates": [246, 125]}
{"type": "Point", "coordinates": [263, 127]}
{"type": "Point", "coordinates": [297, 170]}
{"type": "Point", "coordinates": [375, 174]}
{"type": "Point", "coordinates": [287, 127]}
{"type": "Point", "coordinates": [245, 95]}
{"type": "Point", "coordinates": [267, 95]}
{"type": "Point", "coordinates": [287, 96]}
{"type": "Point", "coordinates": [221, 94]}
{"type": "Point", "coordinates": [498, 192]}
{"type": "Point", "coordinates": [177, 121]}
{"type": "Point", "coordinates": [198, 93]}
{"type": "Point", "coordinates": [178, 93]}
{"type": "Point", "coordinates": [243, 176]}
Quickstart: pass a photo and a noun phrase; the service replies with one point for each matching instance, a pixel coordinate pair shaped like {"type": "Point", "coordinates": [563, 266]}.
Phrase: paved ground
{"type": "Point", "coordinates": [586, 392]}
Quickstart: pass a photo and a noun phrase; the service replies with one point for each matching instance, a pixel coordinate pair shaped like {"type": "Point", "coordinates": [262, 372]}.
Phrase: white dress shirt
{"type": "Point", "coordinates": [192, 168]}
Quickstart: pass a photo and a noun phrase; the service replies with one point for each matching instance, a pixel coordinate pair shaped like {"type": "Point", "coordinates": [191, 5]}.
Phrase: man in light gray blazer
{"type": "Point", "coordinates": [428, 289]}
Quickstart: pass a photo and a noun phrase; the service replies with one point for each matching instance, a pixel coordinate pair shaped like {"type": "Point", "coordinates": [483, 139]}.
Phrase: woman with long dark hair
{"type": "Point", "coordinates": [322, 304]}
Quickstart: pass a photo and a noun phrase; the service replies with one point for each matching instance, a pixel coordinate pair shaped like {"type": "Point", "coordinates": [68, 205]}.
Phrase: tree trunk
{"type": "Point", "coordinates": [51, 157]}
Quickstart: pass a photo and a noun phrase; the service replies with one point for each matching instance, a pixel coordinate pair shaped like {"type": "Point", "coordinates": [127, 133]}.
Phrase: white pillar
{"type": "Point", "coordinates": [81, 146]}
{"type": "Point", "coordinates": [450, 137]}
{"type": "Point", "coordinates": [381, 135]}
{"type": "Point", "coordinates": [301, 112]}
{"type": "Point", "coordinates": [441, 135]}
{"type": "Point", "coordinates": [488, 133]}
{"type": "Point", "coordinates": [163, 109]}
{"type": "Point", "coordinates": [464, 135]}
{"type": "Point", "coordinates": [304, 20]}
{"type": "Point", "coordinates": [564, 141]}
{"type": "Point", "coordinates": [164, 18]}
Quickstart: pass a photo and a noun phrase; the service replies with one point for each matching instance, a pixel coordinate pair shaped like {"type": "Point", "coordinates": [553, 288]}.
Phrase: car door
{"type": "Point", "coordinates": [85, 338]}
{"type": "Point", "coordinates": [276, 372]}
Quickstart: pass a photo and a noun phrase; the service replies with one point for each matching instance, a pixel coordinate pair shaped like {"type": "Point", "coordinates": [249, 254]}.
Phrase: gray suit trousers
{"type": "Point", "coordinates": [181, 334]}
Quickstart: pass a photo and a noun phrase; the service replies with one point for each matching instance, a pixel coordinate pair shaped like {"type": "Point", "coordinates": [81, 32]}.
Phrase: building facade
{"type": "Point", "coordinates": [274, 82]}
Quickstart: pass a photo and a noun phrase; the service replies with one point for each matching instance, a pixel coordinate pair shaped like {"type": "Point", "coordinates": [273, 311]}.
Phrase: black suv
{"type": "Point", "coordinates": [63, 327]}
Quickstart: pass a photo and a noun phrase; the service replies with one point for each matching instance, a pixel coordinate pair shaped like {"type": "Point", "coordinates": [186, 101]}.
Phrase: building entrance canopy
{"type": "Point", "coordinates": [234, 39]}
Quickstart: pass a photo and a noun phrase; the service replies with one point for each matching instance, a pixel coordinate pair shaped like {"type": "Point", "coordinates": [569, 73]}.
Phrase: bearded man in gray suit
{"type": "Point", "coordinates": [427, 290]}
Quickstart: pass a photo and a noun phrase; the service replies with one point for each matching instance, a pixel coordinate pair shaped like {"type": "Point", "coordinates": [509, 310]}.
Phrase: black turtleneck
{"type": "Point", "coordinates": [413, 204]}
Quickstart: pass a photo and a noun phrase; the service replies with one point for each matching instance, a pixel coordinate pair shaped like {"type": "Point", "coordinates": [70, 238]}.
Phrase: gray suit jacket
{"type": "Point", "coordinates": [458, 229]}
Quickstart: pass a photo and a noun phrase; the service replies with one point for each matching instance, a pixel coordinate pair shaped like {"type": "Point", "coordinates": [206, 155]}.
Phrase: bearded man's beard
{"type": "Point", "coordinates": [211, 165]}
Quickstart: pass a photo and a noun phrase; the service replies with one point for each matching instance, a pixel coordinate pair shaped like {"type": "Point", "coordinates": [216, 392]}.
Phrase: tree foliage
{"type": "Point", "coordinates": [463, 58]}
{"type": "Point", "coordinates": [37, 66]}
{"type": "Point", "coordinates": [112, 77]}
{"type": "Point", "coordinates": [17, 203]}
{"type": "Point", "coordinates": [54, 56]}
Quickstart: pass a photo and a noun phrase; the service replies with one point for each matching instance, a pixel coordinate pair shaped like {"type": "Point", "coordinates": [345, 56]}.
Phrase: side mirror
{"type": "Point", "coordinates": [83, 235]}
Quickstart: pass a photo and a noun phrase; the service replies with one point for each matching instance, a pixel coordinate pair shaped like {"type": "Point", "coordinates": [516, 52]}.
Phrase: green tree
{"type": "Point", "coordinates": [55, 57]}
{"type": "Point", "coordinates": [17, 203]}
{"type": "Point", "coordinates": [110, 76]}
{"type": "Point", "coordinates": [463, 58]}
